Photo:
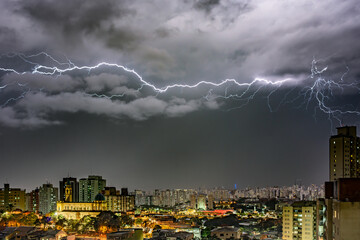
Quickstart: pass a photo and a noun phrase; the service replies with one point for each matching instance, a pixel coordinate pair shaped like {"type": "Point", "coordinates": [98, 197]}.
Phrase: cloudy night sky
{"type": "Point", "coordinates": [276, 79]}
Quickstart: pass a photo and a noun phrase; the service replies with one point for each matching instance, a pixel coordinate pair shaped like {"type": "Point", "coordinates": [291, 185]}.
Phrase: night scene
{"type": "Point", "coordinates": [179, 120]}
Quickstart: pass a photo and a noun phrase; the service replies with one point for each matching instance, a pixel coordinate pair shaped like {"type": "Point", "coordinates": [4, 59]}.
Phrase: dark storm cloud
{"type": "Point", "coordinates": [176, 42]}
{"type": "Point", "coordinates": [122, 39]}
{"type": "Point", "coordinates": [275, 36]}
{"type": "Point", "coordinates": [7, 38]}
{"type": "Point", "coordinates": [72, 17]}
{"type": "Point", "coordinates": [86, 94]}
{"type": "Point", "coordinates": [76, 20]}
{"type": "Point", "coordinates": [206, 5]}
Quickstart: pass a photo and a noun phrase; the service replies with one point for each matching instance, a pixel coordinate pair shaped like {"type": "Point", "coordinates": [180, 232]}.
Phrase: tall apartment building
{"type": "Point", "coordinates": [90, 187]}
{"type": "Point", "coordinates": [12, 198]}
{"type": "Point", "coordinates": [74, 188]}
{"type": "Point", "coordinates": [202, 201]}
{"type": "Point", "coordinates": [33, 201]}
{"type": "Point", "coordinates": [299, 221]}
{"type": "Point", "coordinates": [140, 198]}
{"type": "Point", "coordinates": [344, 154]}
{"type": "Point", "coordinates": [210, 203]}
{"type": "Point", "coordinates": [48, 196]}
{"type": "Point", "coordinates": [342, 192]}
{"type": "Point", "coordinates": [193, 201]}
{"type": "Point", "coordinates": [117, 202]}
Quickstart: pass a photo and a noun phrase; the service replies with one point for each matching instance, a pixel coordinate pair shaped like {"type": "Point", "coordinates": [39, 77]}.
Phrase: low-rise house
{"type": "Point", "coordinates": [224, 233]}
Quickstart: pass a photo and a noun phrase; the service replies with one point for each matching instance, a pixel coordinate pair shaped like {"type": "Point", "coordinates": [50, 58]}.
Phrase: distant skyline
{"type": "Point", "coordinates": [276, 77]}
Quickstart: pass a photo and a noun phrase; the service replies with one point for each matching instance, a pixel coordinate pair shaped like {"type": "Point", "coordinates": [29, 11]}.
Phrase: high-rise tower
{"type": "Point", "coordinates": [342, 194]}
{"type": "Point", "coordinates": [48, 196]}
{"type": "Point", "coordinates": [68, 193]}
{"type": "Point", "coordinates": [344, 154]}
{"type": "Point", "coordinates": [74, 188]}
{"type": "Point", "coordinates": [90, 187]}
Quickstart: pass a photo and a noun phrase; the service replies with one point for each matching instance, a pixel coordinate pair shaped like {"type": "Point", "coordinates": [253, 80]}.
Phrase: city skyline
{"type": "Point", "coordinates": [44, 198]}
{"type": "Point", "coordinates": [200, 94]}
{"type": "Point", "coordinates": [58, 184]}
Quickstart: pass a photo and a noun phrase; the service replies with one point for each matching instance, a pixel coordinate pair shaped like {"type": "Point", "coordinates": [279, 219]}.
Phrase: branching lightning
{"type": "Point", "coordinates": [319, 89]}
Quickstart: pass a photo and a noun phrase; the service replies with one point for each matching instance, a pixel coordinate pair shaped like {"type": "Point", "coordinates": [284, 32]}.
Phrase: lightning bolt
{"type": "Point", "coordinates": [320, 90]}
{"type": "Point", "coordinates": [53, 71]}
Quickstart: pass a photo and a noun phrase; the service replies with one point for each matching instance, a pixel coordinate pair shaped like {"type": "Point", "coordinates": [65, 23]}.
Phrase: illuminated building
{"type": "Point", "coordinates": [14, 197]}
{"type": "Point", "coordinates": [48, 196]}
{"type": "Point", "coordinates": [140, 198]}
{"type": "Point", "coordinates": [201, 202]}
{"type": "Point", "coordinates": [77, 210]}
{"type": "Point", "coordinates": [74, 188]}
{"type": "Point", "coordinates": [344, 154]}
{"type": "Point", "coordinates": [299, 221]}
{"type": "Point", "coordinates": [90, 187]}
{"type": "Point", "coordinates": [117, 202]}
{"type": "Point", "coordinates": [32, 201]}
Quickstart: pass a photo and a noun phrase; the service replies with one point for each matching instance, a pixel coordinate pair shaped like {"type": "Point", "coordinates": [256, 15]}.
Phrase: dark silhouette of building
{"type": "Point", "coordinates": [74, 188]}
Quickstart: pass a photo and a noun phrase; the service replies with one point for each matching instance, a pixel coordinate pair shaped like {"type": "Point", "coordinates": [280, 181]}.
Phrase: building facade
{"type": "Point", "coordinates": [78, 210]}
{"type": "Point", "coordinates": [90, 187]}
{"type": "Point", "coordinates": [48, 196]}
{"type": "Point", "coordinates": [224, 233]}
{"type": "Point", "coordinates": [12, 198]}
{"type": "Point", "coordinates": [344, 154]}
{"type": "Point", "coordinates": [342, 192]}
{"type": "Point", "coordinates": [342, 199]}
{"type": "Point", "coordinates": [117, 202]}
{"type": "Point", "coordinates": [33, 201]}
{"type": "Point", "coordinates": [74, 188]}
{"type": "Point", "coordinates": [299, 221]}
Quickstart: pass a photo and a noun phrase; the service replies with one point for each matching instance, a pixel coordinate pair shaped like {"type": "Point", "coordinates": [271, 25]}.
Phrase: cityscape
{"type": "Point", "coordinates": [75, 206]}
{"type": "Point", "coordinates": [88, 208]}
{"type": "Point", "coordinates": [179, 120]}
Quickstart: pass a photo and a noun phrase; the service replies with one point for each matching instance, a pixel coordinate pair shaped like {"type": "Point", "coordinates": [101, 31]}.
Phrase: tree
{"type": "Point", "coordinates": [106, 222]}
{"type": "Point", "coordinates": [157, 227]}
{"type": "Point", "coordinates": [37, 222]}
{"type": "Point", "coordinates": [73, 225]}
{"type": "Point", "coordinates": [61, 223]}
{"type": "Point", "coordinates": [45, 221]}
{"type": "Point", "coordinates": [86, 224]}
{"type": "Point", "coordinates": [10, 207]}
{"type": "Point", "coordinates": [29, 219]}
{"type": "Point", "coordinates": [126, 220]}
{"type": "Point", "coordinates": [206, 232]}
{"type": "Point", "coordinates": [138, 221]}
